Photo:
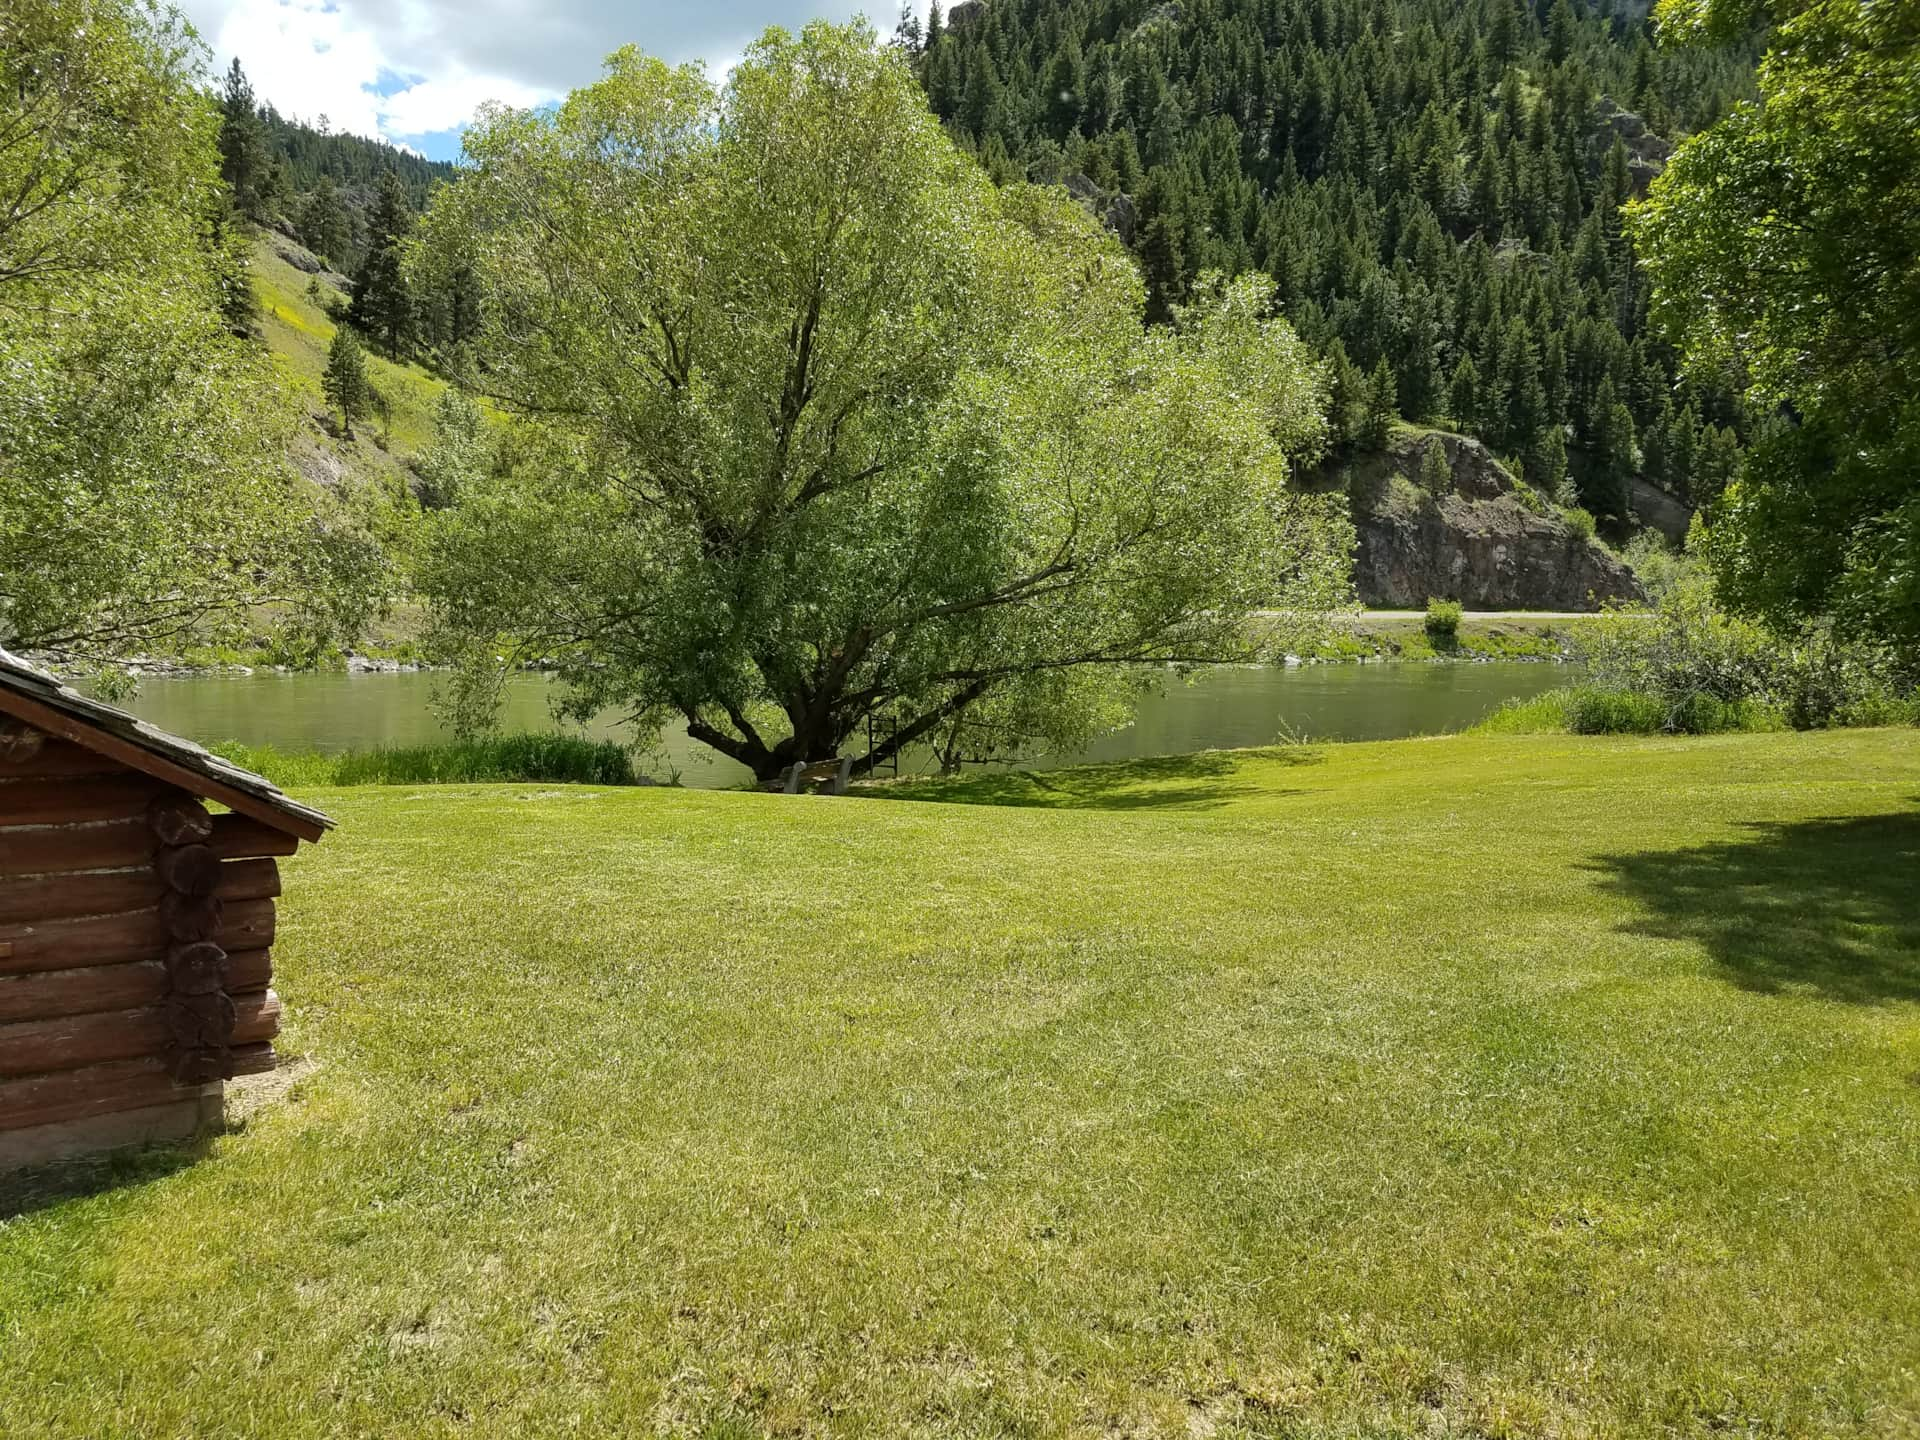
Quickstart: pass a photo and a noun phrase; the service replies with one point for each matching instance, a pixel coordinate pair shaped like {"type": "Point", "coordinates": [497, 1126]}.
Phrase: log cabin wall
{"type": "Point", "coordinates": [135, 968]}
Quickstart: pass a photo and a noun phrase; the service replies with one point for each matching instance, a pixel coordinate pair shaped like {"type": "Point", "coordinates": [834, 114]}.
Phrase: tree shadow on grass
{"type": "Point", "coordinates": [39, 1187]}
{"type": "Point", "coordinates": [1204, 781]}
{"type": "Point", "coordinates": [1830, 907]}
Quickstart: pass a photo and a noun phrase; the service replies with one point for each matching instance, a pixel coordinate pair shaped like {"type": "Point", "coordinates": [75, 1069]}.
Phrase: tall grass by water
{"type": "Point", "coordinates": [503, 759]}
{"type": "Point", "coordinates": [1600, 710]}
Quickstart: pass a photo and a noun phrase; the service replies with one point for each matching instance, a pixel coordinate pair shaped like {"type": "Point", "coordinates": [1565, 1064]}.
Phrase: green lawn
{"type": "Point", "coordinates": [1488, 1086]}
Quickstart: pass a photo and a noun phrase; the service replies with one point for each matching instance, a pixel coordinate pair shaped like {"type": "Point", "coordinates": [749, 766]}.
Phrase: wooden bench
{"type": "Point", "coordinates": [825, 777]}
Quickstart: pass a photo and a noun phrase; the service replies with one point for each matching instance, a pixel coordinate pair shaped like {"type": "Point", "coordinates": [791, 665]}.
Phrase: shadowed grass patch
{"type": "Point", "coordinates": [1203, 781]}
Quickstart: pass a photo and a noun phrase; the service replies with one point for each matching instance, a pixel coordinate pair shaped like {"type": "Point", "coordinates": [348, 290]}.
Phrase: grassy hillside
{"type": "Point", "coordinates": [297, 330]}
{"type": "Point", "coordinates": [373, 469]}
{"type": "Point", "coordinates": [1482, 1086]}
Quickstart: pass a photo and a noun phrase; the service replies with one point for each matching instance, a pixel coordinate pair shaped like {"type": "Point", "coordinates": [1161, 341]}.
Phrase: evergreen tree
{"type": "Point", "coordinates": [1560, 33]}
{"type": "Point", "coordinates": [325, 226]}
{"type": "Point", "coordinates": [345, 380]}
{"type": "Point", "coordinates": [1419, 178]}
{"type": "Point", "coordinates": [1613, 453]}
{"type": "Point", "coordinates": [1546, 466]}
{"type": "Point", "coordinates": [1436, 475]}
{"type": "Point", "coordinates": [244, 162]}
{"type": "Point", "coordinates": [382, 306]}
{"type": "Point", "coordinates": [1163, 260]}
{"type": "Point", "coordinates": [1347, 395]}
{"type": "Point", "coordinates": [1381, 407]}
{"type": "Point", "coordinates": [1463, 393]}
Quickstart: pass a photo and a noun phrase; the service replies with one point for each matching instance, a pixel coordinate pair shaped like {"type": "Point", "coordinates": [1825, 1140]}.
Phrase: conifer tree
{"type": "Point", "coordinates": [1436, 475]}
{"type": "Point", "coordinates": [1416, 176]}
{"type": "Point", "coordinates": [1381, 407]}
{"type": "Point", "coordinates": [382, 306]}
{"type": "Point", "coordinates": [325, 226]}
{"type": "Point", "coordinates": [345, 380]}
{"type": "Point", "coordinates": [244, 162]}
{"type": "Point", "coordinates": [1463, 393]}
{"type": "Point", "coordinates": [1346, 395]}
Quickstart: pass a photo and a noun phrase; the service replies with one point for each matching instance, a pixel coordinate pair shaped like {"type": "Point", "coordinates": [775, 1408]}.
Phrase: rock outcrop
{"type": "Point", "coordinates": [1117, 210]}
{"type": "Point", "coordinates": [1479, 543]}
{"type": "Point", "coordinates": [1647, 153]}
{"type": "Point", "coordinates": [1657, 510]}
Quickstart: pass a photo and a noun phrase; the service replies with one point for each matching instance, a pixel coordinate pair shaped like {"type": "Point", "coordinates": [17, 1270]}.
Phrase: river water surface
{"type": "Point", "coordinates": [1218, 708]}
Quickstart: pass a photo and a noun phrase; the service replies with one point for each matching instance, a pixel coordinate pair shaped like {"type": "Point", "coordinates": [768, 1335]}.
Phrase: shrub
{"type": "Point", "coordinates": [1540, 715]}
{"type": "Point", "coordinates": [1443, 621]}
{"type": "Point", "coordinates": [1597, 710]}
{"type": "Point", "coordinates": [1688, 667]}
{"type": "Point", "coordinates": [1579, 521]}
{"type": "Point", "coordinates": [1686, 646]}
{"type": "Point", "coordinates": [1659, 568]}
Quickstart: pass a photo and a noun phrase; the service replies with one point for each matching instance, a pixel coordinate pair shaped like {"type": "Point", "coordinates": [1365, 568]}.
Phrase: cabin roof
{"type": "Point", "coordinates": [34, 695]}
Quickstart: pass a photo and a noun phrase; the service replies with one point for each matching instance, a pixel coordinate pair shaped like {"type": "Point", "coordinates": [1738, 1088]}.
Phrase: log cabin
{"type": "Point", "coordinates": [135, 923]}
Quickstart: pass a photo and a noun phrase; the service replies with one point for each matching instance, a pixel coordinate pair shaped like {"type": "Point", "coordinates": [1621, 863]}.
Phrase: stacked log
{"type": "Point", "coordinates": [135, 929]}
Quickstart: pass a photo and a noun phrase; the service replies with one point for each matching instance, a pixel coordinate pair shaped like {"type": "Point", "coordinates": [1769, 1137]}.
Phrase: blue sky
{"type": "Point", "coordinates": [414, 71]}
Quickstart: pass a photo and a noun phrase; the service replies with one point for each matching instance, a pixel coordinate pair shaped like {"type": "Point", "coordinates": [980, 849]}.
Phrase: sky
{"type": "Point", "coordinates": [414, 71]}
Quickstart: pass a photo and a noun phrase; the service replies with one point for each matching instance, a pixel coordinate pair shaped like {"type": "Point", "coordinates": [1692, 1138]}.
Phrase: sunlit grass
{"type": "Point", "coordinates": [1477, 1086]}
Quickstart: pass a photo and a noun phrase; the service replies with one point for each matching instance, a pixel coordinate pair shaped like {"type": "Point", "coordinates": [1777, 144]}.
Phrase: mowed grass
{"type": "Point", "coordinates": [1489, 1085]}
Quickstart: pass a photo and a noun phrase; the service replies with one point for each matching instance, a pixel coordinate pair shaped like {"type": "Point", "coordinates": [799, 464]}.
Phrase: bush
{"type": "Point", "coordinates": [1688, 667]}
{"type": "Point", "coordinates": [1659, 568]}
{"type": "Point", "coordinates": [1443, 621]}
{"type": "Point", "coordinates": [1685, 646]}
{"type": "Point", "coordinates": [1579, 521]}
{"type": "Point", "coordinates": [1541, 715]}
{"type": "Point", "coordinates": [550, 759]}
{"type": "Point", "coordinates": [1596, 710]}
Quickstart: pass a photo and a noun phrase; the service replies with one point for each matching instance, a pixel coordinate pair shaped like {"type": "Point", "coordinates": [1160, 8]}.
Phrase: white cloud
{"type": "Point", "coordinates": [437, 60]}
{"type": "Point", "coordinates": [314, 59]}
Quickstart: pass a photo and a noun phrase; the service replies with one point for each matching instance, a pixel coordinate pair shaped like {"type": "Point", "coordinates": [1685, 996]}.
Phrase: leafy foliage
{"type": "Point", "coordinates": [817, 425]}
{"type": "Point", "coordinates": [1691, 667]}
{"type": "Point", "coordinates": [1782, 244]}
{"type": "Point", "coordinates": [1597, 710]}
{"type": "Point", "coordinates": [143, 490]}
{"type": "Point", "coordinates": [1442, 621]}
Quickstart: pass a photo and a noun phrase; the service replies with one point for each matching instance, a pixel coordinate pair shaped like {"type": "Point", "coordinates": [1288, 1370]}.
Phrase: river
{"type": "Point", "coordinates": [1218, 708]}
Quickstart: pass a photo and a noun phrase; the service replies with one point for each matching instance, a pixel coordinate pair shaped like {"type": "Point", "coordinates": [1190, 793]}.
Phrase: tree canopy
{"type": "Point", "coordinates": [816, 425]}
{"type": "Point", "coordinates": [143, 486]}
{"type": "Point", "coordinates": [1784, 245]}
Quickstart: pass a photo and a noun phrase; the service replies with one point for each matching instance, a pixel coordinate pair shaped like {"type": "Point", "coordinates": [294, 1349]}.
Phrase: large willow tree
{"type": "Point", "coordinates": [817, 425]}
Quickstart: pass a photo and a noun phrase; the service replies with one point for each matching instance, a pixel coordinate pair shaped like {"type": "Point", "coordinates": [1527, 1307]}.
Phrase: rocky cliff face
{"type": "Point", "coordinates": [1476, 542]}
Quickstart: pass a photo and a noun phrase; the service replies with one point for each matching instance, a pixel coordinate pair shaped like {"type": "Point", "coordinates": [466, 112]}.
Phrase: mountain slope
{"type": "Point", "coordinates": [297, 329]}
{"type": "Point", "coordinates": [1434, 185]}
